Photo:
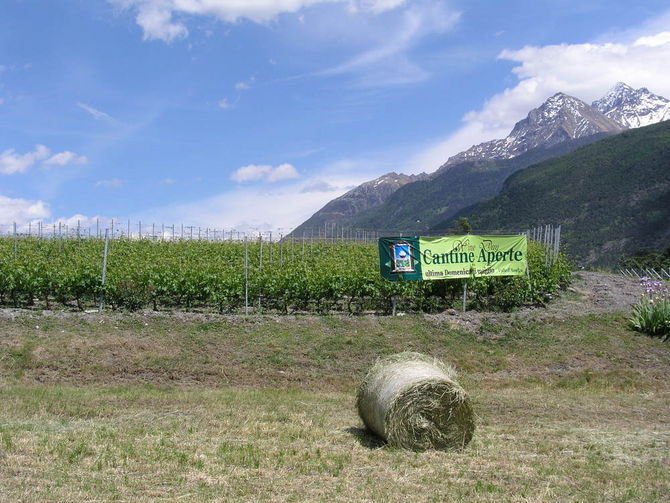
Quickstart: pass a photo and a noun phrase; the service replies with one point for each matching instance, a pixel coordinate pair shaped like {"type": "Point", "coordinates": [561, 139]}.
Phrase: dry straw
{"type": "Point", "coordinates": [414, 402]}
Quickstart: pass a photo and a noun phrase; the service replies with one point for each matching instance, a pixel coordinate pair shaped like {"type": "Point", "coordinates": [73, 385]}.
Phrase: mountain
{"type": "Point", "coordinates": [358, 199]}
{"type": "Point", "coordinates": [417, 206]}
{"type": "Point", "coordinates": [558, 126]}
{"type": "Point", "coordinates": [558, 119]}
{"type": "Point", "coordinates": [632, 108]}
{"type": "Point", "coordinates": [422, 201]}
{"type": "Point", "coordinates": [611, 197]}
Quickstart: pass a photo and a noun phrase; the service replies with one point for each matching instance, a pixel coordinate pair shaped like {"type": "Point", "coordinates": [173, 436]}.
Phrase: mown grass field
{"type": "Point", "coordinates": [184, 408]}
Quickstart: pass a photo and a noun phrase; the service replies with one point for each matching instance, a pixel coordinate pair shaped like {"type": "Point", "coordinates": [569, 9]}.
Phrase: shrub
{"type": "Point", "coordinates": [315, 276]}
{"type": "Point", "coordinates": [540, 285]}
{"type": "Point", "coordinates": [651, 315]}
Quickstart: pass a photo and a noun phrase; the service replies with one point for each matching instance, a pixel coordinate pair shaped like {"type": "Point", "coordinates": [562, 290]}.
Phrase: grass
{"type": "Point", "coordinates": [330, 353]}
{"type": "Point", "coordinates": [134, 408]}
{"type": "Point", "coordinates": [143, 443]}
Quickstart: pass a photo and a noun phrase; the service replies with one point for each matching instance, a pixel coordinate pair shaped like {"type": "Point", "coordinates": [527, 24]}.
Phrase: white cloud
{"type": "Point", "coordinates": [85, 222]}
{"type": "Point", "coordinates": [112, 183]}
{"type": "Point", "coordinates": [65, 158]}
{"type": "Point", "coordinates": [270, 207]}
{"type": "Point", "coordinates": [655, 40]}
{"type": "Point", "coordinates": [254, 172]}
{"type": "Point", "coordinates": [589, 70]}
{"type": "Point", "coordinates": [282, 172]}
{"type": "Point", "coordinates": [586, 71]}
{"type": "Point", "coordinates": [168, 181]}
{"type": "Point", "coordinates": [384, 41]}
{"type": "Point", "coordinates": [156, 20]}
{"type": "Point", "coordinates": [388, 62]}
{"type": "Point", "coordinates": [247, 209]}
{"type": "Point", "coordinates": [225, 104]}
{"type": "Point", "coordinates": [166, 19]}
{"type": "Point", "coordinates": [250, 173]}
{"type": "Point", "coordinates": [11, 162]}
{"type": "Point", "coordinates": [378, 6]}
{"type": "Point", "coordinates": [95, 113]}
{"type": "Point", "coordinates": [22, 211]}
{"type": "Point", "coordinates": [318, 186]}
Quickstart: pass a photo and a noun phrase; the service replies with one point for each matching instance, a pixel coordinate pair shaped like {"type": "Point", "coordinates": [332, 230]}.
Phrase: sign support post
{"type": "Point", "coordinates": [465, 292]}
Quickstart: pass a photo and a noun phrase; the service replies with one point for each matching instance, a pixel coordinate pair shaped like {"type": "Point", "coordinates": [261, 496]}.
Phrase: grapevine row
{"type": "Point", "coordinates": [279, 277]}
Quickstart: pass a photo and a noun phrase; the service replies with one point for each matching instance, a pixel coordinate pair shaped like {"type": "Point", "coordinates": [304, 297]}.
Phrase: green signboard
{"type": "Point", "coordinates": [428, 258]}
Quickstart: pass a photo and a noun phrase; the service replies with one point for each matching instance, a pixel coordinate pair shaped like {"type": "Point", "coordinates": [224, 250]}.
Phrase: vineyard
{"type": "Point", "coordinates": [230, 276]}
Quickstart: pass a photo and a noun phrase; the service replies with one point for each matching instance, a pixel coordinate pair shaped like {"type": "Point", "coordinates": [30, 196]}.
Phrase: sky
{"type": "Point", "coordinates": [251, 115]}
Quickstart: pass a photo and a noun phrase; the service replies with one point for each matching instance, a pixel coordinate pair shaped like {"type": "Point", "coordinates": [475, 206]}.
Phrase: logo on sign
{"type": "Point", "coordinates": [402, 258]}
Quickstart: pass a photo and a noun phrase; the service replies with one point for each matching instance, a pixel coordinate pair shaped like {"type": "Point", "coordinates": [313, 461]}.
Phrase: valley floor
{"type": "Point", "coordinates": [572, 406]}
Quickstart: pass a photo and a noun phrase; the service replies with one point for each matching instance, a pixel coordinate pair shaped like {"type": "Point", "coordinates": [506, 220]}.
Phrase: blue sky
{"type": "Point", "coordinates": [252, 115]}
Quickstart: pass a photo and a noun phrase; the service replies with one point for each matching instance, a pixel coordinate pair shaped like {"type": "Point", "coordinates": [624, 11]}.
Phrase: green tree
{"type": "Point", "coordinates": [464, 226]}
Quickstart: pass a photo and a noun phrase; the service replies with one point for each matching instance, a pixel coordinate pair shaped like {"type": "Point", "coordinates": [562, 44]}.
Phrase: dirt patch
{"type": "Point", "coordinates": [590, 293]}
{"type": "Point", "coordinates": [598, 293]}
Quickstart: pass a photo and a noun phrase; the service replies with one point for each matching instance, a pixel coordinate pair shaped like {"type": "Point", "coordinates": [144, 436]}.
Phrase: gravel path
{"type": "Point", "coordinates": [598, 293]}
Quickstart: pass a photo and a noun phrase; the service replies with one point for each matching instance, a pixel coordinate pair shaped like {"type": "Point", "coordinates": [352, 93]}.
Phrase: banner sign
{"type": "Point", "coordinates": [452, 257]}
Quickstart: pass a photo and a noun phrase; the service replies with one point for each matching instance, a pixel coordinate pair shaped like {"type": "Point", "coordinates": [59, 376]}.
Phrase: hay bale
{"type": "Point", "coordinates": [414, 402]}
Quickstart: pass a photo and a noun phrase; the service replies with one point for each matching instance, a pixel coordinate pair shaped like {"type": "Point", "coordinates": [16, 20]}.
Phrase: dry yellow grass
{"type": "Point", "coordinates": [146, 444]}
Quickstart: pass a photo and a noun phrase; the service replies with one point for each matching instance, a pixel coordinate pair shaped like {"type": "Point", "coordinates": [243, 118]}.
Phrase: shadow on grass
{"type": "Point", "coordinates": [366, 438]}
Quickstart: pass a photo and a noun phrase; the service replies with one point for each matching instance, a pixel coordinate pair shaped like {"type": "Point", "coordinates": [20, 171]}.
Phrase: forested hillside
{"type": "Point", "coordinates": [420, 205]}
{"type": "Point", "coordinates": [612, 197]}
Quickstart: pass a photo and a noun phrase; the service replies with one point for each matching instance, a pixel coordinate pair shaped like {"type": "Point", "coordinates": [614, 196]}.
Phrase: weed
{"type": "Point", "coordinates": [21, 357]}
{"type": "Point", "coordinates": [6, 439]}
{"type": "Point", "coordinates": [239, 454]}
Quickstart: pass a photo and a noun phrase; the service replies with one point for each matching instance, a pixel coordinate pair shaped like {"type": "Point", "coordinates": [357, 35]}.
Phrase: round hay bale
{"type": "Point", "coordinates": [414, 402]}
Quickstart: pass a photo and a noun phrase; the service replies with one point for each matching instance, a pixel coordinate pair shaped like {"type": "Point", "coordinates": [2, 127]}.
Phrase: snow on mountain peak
{"type": "Point", "coordinates": [633, 108]}
{"type": "Point", "coordinates": [621, 87]}
{"type": "Point", "coordinates": [562, 117]}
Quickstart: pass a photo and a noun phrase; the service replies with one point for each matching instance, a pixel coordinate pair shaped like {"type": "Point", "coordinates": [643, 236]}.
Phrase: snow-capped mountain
{"type": "Point", "coordinates": [633, 108]}
{"type": "Point", "coordinates": [557, 120]}
{"type": "Point", "coordinates": [560, 118]}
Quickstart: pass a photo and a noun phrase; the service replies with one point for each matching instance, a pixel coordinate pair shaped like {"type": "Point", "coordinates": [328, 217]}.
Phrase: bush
{"type": "Point", "coordinates": [505, 293]}
{"type": "Point", "coordinates": [644, 259]}
{"type": "Point", "coordinates": [651, 315]}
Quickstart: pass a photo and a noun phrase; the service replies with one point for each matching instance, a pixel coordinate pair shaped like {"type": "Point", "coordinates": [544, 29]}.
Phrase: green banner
{"type": "Point", "coordinates": [428, 258]}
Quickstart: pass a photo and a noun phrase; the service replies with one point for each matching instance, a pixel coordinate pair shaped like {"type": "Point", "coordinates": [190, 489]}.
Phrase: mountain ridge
{"type": "Point", "coordinates": [633, 108]}
{"type": "Point", "coordinates": [611, 197]}
{"type": "Point", "coordinates": [417, 206]}
{"type": "Point", "coordinates": [369, 194]}
{"type": "Point", "coordinates": [561, 118]}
